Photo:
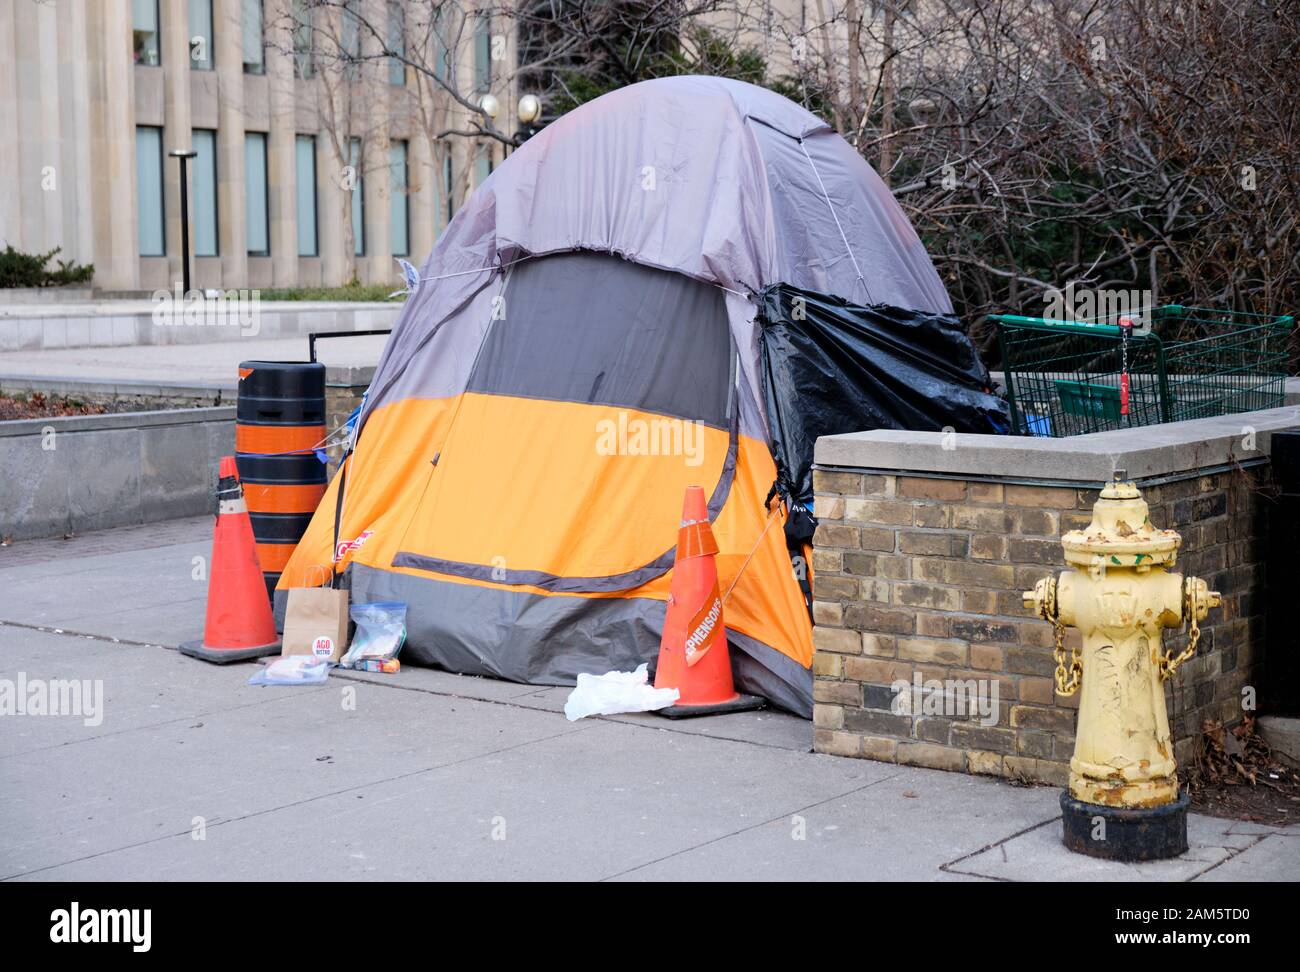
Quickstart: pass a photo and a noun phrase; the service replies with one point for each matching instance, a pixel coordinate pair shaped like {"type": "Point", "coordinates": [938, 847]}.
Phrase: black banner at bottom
{"type": "Point", "coordinates": [215, 921]}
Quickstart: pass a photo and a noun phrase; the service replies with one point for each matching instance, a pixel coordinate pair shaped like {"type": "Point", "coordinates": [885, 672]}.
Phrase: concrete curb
{"type": "Point", "coordinates": [1283, 735]}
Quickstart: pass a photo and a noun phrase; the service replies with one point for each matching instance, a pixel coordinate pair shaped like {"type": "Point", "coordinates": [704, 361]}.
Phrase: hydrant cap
{"type": "Point", "coordinates": [1121, 533]}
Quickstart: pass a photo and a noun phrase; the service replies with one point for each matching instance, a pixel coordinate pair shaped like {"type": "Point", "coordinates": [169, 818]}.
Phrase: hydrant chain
{"type": "Point", "coordinates": [1168, 663]}
{"type": "Point", "coordinates": [1067, 683]}
{"type": "Point", "coordinates": [1043, 600]}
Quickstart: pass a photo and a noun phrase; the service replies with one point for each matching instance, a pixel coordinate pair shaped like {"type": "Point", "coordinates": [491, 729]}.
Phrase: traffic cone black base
{"type": "Point", "coordinates": [220, 656]}
{"type": "Point", "coordinates": [741, 703]}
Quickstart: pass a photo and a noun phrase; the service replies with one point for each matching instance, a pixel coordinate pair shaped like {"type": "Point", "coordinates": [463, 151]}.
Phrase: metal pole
{"type": "Point", "coordinates": [185, 231]}
{"type": "Point", "coordinates": [184, 155]}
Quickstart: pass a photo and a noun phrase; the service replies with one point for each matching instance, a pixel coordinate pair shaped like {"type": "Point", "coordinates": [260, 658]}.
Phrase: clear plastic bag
{"type": "Point", "coordinates": [616, 692]}
{"type": "Point", "coordinates": [293, 670]}
{"type": "Point", "coordinates": [380, 634]}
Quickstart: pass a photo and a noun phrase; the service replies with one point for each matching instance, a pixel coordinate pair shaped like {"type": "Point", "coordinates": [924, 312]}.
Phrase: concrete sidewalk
{"type": "Point", "coordinates": [193, 774]}
{"type": "Point", "coordinates": [210, 366]}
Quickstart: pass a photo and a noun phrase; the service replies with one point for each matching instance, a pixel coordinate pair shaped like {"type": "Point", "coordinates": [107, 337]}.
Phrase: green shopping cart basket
{"type": "Point", "coordinates": [1065, 377]}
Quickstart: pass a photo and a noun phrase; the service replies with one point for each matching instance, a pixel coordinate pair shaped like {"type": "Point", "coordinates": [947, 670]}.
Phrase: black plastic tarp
{"type": "Point", "coordinates": [831, 367]}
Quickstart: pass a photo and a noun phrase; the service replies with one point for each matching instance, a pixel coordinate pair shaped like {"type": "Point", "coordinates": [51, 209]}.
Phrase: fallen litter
{"type": "Point", "coordinates": [390, 666]}
{"type": "Point", "coordinates": [616, 692]}
{"type": "Point", "coordinates": [381, 631]}
{"type": "Point", "coordinates": [292, 670]}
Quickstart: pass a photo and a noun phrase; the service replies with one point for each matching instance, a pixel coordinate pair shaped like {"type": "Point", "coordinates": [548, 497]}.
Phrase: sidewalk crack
{"type": "Point", "coordinates": [754, 826]}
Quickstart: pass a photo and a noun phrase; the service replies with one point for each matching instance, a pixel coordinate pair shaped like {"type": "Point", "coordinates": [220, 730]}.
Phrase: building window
{"type": "Point", "coordinates": [254, 56]}
{"type": "Point", "coordinates": [396, 43]}
{"type": "Point", "coordinates": [149, 190]}
{"type": "Point", "coordinates": [144, 31]}
{"type": "Point", "coordinates": [303, 40]}
{"type": "Point", "coordinates": [305, 180]}
{"type": "Point", "coordinates": [397, 193]}
{"type": "Point", "coordinates": [482, 165]}
{"type": "Point", "coordinates": [483, 53]}
{"type": "Point", "coordinates": [204, 168]}
{"type": "Point", "coordinates": [449, 184]}
{"type": "Point", "coordinates": [201, 35]}
{"type": "Point", "coordinates": [440, 45]}
{"type": "Point", "coordinates": [358, 198]}
{"type": "Point", "coordinates": [256, 210]}
{"type": "Point", "coordinates": [435, 198]}
{"type": "Point", "coordinates": [350, 41]}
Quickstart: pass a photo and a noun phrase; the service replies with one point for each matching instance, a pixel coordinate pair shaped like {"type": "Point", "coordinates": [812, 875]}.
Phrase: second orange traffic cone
{"type": "Point", "coordinates": [239, 623]}
{"type": "Point", "coordinates": [693, 654]}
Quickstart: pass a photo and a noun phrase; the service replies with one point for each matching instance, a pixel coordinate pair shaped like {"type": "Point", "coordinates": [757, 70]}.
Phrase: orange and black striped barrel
{"type": "Point", "coordinates": [279, 420]}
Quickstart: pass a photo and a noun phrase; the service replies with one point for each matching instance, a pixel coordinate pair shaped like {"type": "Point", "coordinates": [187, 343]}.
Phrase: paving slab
{"type": "Point", "coordinates": [414, 678]}
{"type": "Point", "coordinates": [1036, 854]}
{"type": "Point", "coordinates": [1272, 859]}
{"type": "Point", "coordinates": [39, 556]}
{"type": "Point", "coordinates": [86, 595]}
{"type": "Point", "coordinates": [142, 687]}
{"type": "Point", "coordinates": [904, 827]}
{"type": "Point", "coordinates": [765, 727]}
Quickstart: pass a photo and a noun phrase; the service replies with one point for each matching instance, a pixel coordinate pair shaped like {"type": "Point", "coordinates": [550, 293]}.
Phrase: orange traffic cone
{"type": "Point", "coordinates": [693, 653]}
{"type": "Point", "coordinates": [239, 622]}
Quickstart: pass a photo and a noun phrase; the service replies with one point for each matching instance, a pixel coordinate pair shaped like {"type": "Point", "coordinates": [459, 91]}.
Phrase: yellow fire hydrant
{"type": "Point", "coordinates": [1121, 596]}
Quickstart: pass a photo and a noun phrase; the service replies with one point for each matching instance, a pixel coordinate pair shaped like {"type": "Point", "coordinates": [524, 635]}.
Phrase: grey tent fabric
{"type": "Point", "coordinates": [713, 178]}
{"type": "Point", "coordinates": [608, 331]}
{"type": "Point", "coordinates": [895, 268]}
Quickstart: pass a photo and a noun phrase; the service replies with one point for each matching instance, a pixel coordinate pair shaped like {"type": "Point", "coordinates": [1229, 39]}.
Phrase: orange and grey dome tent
{"type": "Point", "coordinates": [581, 346]}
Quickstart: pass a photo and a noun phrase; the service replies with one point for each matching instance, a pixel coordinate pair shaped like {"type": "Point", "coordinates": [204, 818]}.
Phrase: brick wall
{"type": "Point", "coordinates": [920, 575]}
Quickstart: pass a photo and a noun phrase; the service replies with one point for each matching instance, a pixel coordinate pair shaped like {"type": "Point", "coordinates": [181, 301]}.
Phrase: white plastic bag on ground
{"type": "Point", "coordinates": [293, 670]}
{"type": "Point", "coordinates": [616, 692]}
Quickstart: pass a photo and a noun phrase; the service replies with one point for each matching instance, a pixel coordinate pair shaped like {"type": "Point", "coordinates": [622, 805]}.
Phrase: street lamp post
{"type": "Point", "coordinates": [184, 155]}
{"type": "Point", "coordinates": [530, 109]}
{"type": "Point", "coordinates": [528, 113]}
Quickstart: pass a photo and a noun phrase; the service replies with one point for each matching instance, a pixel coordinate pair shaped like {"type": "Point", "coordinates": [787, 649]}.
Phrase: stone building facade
{"type": "Point", "coordinates": [94, 94]}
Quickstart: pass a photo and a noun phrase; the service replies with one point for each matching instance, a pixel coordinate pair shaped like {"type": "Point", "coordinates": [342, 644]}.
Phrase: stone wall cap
{"type": "Point", "coordinates": [138, 308]}
{"type": "Point", "coordinates": [66, 385]}
{"type": "Point", "coordinates": [1146, 452]}
{"type": "Point", "coordinates": [119, 420]}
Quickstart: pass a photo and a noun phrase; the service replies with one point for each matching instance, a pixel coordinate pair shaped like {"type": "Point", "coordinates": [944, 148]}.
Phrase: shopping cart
{"type": "Point", "coordinates": [1073, 377]}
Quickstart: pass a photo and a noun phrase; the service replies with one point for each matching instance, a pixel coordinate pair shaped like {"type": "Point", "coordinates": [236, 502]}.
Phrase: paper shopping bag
{"type": "Point", "coordinates": [316, 623]}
